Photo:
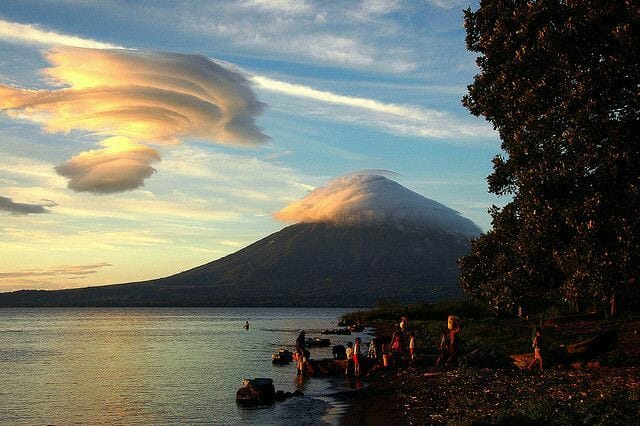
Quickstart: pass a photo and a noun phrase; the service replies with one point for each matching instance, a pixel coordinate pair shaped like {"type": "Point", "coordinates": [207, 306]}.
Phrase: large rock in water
{"type": "Point", "coordinates": [256, 392]}
{"type": "Point", "coordinates": [382, 241]}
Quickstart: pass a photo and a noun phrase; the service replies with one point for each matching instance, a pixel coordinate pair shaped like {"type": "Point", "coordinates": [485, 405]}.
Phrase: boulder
{"type": "Point", "coordinates": [339, 352]}
{"type": "Point", "coordinates": [256, 392]}
{"type": "Point", "coordinates": [317, 342]}
{"type": "Point", "coordinates": [282, 357]}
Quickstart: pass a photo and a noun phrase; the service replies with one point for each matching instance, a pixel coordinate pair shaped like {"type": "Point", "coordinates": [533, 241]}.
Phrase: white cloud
{"type": "Point", "coordinates": [393, 118]}
{"type": "Point", "coordinates": [450, 4]}
{"type": "Point", "coordinates": [365, 197]}
{"type": "Point", "coordinates": [32, 34]}
{"type": "Point", "coordinates": [325, 33]}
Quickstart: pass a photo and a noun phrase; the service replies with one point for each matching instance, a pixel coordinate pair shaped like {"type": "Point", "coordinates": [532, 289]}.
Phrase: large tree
{"type": "Point", "coordinates": [560, 81]}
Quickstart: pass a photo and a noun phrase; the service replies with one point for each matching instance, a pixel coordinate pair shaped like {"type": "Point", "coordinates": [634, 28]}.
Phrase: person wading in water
{"type": "Point", "coordinates": [301, 350]}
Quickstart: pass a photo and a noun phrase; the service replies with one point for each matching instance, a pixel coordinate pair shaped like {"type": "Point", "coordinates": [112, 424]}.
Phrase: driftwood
{"type": "Point", "coordinates": [564, 319]}
{"type": "Point", "coordinates": [573, 355]}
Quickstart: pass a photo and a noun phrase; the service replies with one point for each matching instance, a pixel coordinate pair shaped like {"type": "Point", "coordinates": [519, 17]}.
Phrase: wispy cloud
{"type": "Point", "coordinates": [304, 31]}
{"type": "Point", "coordinates": [48, 277]}
{"type": "Point", "coordinates": [450, 4]}
{"type": "Point", "coordinates": [394, 118]}
{"type": "Point", "coordinates": [8, 205]}
{"type": "Point", "coordinates": [136, 97]}
{"type": "Point", "coordinates": [32, 34]}
{"type": "Point", "coordinates": [75, 270]}
{"type": "Point", "coordinates": [389, 117]}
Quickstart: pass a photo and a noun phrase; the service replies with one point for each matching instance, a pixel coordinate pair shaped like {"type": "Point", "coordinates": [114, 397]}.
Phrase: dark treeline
{"type": "Point", "coordinates": [560, 82]}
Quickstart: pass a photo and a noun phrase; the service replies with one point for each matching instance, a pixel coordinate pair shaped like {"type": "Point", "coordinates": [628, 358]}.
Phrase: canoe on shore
{"type": "Point", "coordinates": [567, 355]}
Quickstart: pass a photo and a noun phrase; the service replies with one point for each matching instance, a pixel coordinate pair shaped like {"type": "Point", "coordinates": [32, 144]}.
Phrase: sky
{"type": "Point", "coordinates": [140, 139]}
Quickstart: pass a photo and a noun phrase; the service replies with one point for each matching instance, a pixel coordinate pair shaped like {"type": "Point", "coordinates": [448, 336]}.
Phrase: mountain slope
{"type": "Point", "coordinates": [313, 264]}
{"type": "Point", "coordinates": [361, 239]}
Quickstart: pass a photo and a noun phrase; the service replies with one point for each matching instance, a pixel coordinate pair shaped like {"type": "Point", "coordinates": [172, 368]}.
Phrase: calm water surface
{"type": "Point", "coordinates": [153, 365]}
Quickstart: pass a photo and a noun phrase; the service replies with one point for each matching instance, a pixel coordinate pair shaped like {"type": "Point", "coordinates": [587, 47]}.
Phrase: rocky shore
{"type": "Point", "coordinates": [485, 390]}
{"type": "Point", "coordinates": [420, 395]}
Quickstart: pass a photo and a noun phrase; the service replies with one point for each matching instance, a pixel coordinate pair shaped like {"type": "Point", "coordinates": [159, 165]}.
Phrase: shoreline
{"type": "Point", "coordinates": [483, 392]}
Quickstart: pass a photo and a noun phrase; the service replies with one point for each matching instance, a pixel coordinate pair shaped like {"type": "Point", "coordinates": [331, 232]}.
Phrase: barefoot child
{"type": "Point", "coordinates": [443, 349]}
{"type": "Point", "coordinates": [356, 357]}
{"type": "Point", "coordinates": [412, 346]}
{"type": "Point", "coordinates": [537, 349]}
{"type": "Point", "coordinates": [349, 352]}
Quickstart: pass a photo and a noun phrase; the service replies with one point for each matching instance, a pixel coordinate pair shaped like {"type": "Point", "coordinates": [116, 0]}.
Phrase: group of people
{"type": "Point", "coordinates": [394, 351]}
{"type": "Point", "coordinates": [403, 339]}
{"type": "Point", "coordinates": [353, 354]}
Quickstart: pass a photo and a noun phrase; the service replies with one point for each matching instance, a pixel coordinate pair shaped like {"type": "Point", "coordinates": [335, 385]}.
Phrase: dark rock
{"type": "Point", "coordinates": [317, 342]}
{"type": "Point", "coordinates": [282, 357]}
{"type": "Point", "coordinates": [341, 331]}
{"type": "Point", "coordinates": [339, 352]}
{"type": "Point", "coordinates": [256, 392]}
{"type": "Point", "coordinates": [288, 395]}
{"type": "Point", "coordinates": [298, 393]}
{"type": "Point", "coordinates": [280, 396]}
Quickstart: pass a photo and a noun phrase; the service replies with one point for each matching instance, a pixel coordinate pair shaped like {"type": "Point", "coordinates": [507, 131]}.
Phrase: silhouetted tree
{"type": "Point", "coordinates": [560, 81]}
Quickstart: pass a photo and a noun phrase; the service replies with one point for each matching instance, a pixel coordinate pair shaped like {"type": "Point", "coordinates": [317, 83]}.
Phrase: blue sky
{"type": "Point", "coordinates": [347, 85]}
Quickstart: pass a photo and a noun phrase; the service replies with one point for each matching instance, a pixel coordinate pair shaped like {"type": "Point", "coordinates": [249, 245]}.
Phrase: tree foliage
{"type": "Point", "coordinates": [560, 82]}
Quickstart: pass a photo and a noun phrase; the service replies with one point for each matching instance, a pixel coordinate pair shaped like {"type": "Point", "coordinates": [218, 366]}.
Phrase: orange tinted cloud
{"type": "Point", "coordinates": [142, 97]}
{"type": "Point", "coordinates": [119, 166]}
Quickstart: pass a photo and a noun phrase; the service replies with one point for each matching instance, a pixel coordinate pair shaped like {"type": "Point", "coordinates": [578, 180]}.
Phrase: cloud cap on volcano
{"type": "Point", "coordinates": [365, 198]}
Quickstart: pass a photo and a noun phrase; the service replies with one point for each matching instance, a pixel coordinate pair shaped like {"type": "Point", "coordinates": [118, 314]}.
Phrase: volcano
{"type": "Point", "coordinates": [361, 239]}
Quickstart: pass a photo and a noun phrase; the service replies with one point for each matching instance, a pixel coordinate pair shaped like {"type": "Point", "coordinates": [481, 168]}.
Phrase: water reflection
{"type": "Point", "coordinates": [149, 365]}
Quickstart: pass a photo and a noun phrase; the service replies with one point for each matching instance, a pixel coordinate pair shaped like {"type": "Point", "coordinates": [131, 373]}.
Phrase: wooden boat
{"type": "Point", "coordinates": [567, 355]}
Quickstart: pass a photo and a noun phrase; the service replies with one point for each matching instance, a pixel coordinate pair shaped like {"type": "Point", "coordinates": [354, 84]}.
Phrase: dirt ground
{"type": "Point", "coordinates": [423, 394]}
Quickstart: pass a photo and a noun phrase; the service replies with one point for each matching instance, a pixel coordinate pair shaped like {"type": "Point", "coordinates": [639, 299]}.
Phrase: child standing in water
{"type": "Point", "coordinates": [356, 357]}
{"type": "Point", "coordinates": [373, 353]}
{"type": "Point", "coordinates": [537, 349]}
{"type": "Point", "coordinates": [349, 353]}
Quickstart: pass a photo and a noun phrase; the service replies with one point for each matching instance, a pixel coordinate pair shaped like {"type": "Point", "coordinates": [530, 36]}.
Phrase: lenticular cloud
{"type": "Point", "coordinates": [374, 199]}
{"type": "Point", "coordinates": [140, 98]}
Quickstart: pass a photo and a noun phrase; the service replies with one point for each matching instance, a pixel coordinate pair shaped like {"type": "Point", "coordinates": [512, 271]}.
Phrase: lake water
{"type": "Point", "coordinates": [155, 365]}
